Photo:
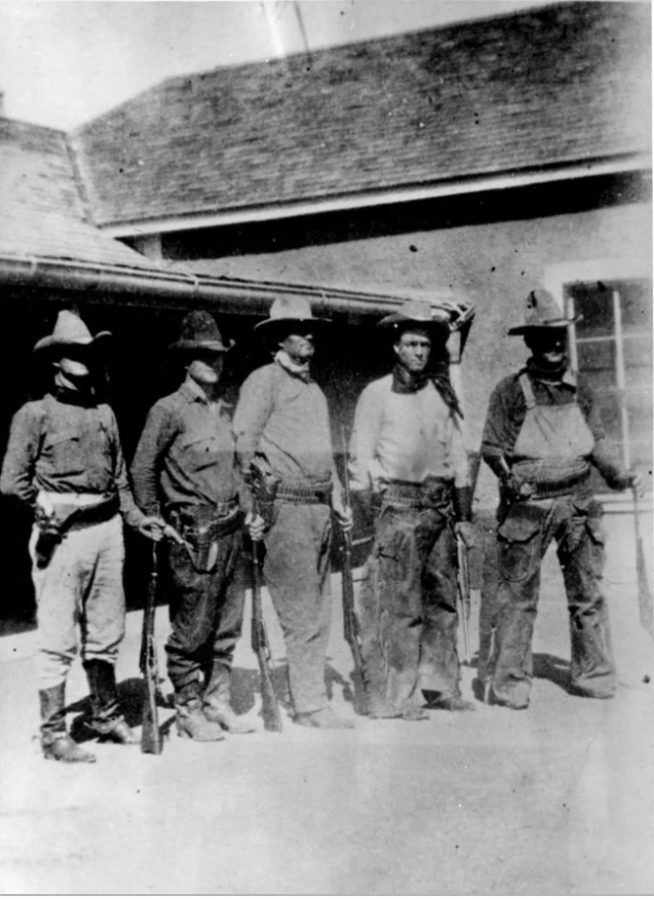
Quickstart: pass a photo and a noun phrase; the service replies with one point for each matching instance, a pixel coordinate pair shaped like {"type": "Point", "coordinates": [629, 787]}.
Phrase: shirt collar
{"type": "Point", "coordinates": [302, 372]}
{"type": "Point", "coordinates": [193, 393]}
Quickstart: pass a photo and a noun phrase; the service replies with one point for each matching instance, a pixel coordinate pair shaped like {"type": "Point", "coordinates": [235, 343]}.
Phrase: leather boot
{"type": "Point", "coordinates": [56, 743]}
{"type": "Point", "coordinates": [107, 720]}
{"type": "Point", "coordinates": [191, 721]}
{"type": "Point", "coordinates": [217, 703]}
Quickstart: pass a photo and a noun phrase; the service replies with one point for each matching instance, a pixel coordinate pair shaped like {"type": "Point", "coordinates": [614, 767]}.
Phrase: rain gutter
{"type": "Point", "coordinates": [142, 287]}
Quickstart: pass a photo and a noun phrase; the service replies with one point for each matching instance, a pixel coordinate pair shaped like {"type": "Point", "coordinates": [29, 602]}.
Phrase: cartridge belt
{"type": "Point", "coordinates": [304, 491]}
{"type": "Point", "coordinates": [434, 492]}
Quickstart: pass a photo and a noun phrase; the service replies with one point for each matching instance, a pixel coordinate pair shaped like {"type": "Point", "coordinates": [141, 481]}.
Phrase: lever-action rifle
{"type": "Point", "coordinates": [263, 489]}
{"type": "Point", "coordinates": [151, 739]}
{"type": "Point", "coordinates": [350, 622]}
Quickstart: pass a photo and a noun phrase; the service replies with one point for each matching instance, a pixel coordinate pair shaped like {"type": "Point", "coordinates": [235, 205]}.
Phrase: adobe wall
{"type": "Point", "coordinates": [494, 265]}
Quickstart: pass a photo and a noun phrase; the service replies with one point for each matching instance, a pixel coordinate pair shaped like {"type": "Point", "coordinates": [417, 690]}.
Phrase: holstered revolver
{"type": "Point", "coordinates": [264, 486]}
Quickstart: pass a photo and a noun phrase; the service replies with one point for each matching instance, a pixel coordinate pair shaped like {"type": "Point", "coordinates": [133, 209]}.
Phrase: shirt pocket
{"type": "Point", "coordinates": [199, 451]}
{"type": "Point", "coordinates": [67, 452]}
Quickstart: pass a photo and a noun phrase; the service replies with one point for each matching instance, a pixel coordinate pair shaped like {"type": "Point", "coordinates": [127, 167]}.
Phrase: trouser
{"type": "Point", "coordinates": [80, 587]}
{"type": "Point", "coordinates": [408, 606]}
{"type": "Point", "coordinates": [206, 615]}
{"type": "Point", "coordinates": [297, 571]}
{"type": "Point", "coordinates": [523, 537]}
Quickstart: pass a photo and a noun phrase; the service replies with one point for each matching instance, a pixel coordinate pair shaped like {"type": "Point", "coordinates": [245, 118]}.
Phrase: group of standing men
{"type": "Point", "coordinates": [196, 485]}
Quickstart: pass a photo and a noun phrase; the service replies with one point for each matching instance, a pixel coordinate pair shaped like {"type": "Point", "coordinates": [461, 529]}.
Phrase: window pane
{"type": "Point", "coordinates": [597, 360]}
{"type": "Point", "coordinates": [638, 360]}
{"type": "Point", "coordinates": [636, 306]}
{"type": "Point", "coordinates": [595, 303]}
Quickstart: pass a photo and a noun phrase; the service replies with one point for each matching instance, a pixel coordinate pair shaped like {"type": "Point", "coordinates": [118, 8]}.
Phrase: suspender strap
{"type": "Point", "coordinates": [527, 390]}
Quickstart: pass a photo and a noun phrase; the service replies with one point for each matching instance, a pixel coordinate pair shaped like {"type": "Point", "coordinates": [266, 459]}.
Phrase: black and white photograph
{"type": "Point", "coordinates": [326, 433]}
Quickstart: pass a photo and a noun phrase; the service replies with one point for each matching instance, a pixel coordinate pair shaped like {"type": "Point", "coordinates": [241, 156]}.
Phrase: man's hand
{"type": "Point", "coordinates": [255, 526]}
{"type": "Point", "coordinates": [637, 480]}
{"type": "Point", "coordinates": [345, 518]}
{"type": "Point", "coordinates": [467, 532]}
{"type": "Point", "coordinates": [152, 528]}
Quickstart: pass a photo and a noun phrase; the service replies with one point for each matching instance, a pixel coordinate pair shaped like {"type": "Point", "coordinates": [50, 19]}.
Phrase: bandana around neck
{"type": "Point", "coordinates": [287, 363]}
{"type": "Point", "coordinates": [406, 383]}
{"type": "Point", "coordinates": [553, 375]}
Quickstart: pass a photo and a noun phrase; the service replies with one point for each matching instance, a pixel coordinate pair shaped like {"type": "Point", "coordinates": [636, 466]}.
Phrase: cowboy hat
{"type": "Point", "coordinates": [199, 331]}
{"type": "Point", "coordinates": [542, 311]}
{"type": "Point", "coordinates": [70, 332]}
{"type": "Point", "coordinates": [287, 312]}
{"type": "Point", "coordinates": [448, 315]}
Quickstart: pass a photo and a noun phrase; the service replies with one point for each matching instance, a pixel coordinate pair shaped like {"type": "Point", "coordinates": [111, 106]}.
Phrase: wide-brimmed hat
{"type": "Point", "coordinates": [287, 312]}
{"type": "Point", "coordinates": [70, 333]}
{"type": "Point", "coordinates": [199, 331]}
{"type": "Point", "coordinates": [542, 311]}
{"type": "Point", "coordinates": [438, 315]}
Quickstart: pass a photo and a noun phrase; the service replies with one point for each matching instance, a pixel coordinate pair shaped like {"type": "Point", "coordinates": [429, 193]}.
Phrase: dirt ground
{"type": "Point", "coordinates": [557, 799]}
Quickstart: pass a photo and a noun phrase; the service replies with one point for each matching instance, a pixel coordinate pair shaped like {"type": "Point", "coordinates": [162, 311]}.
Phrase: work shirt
{"type": "Point", "coordinates": [186, 454]}
{"type": "Point", "coordinates": [61, 445]}
{"type": "Point", "coordinates": [282, 415]}
{"type": "Point", "coordinates": [405, 437]}
{"type": "Point", "coordinates": [508, 407]}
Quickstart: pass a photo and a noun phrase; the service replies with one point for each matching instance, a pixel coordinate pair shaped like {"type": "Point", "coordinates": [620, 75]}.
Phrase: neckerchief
{"type": "Point", "coordinates": [285, 361]}
{"type": "Point", "coordinates": [407, 383]}
{"type": "Point", "coordinates": [561, 375]}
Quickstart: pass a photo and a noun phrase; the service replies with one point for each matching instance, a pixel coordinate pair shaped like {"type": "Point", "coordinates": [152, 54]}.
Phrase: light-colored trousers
{"type": "Point", "coordinates": [80, 599]}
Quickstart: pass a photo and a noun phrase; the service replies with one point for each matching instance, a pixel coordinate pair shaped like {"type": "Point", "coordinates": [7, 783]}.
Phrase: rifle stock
{"type": "Point", "coordinates": [272, 719]}
{"type": "Point", "coordinates": [151, 738]}
{"type": "Point", "coordinates": [350, 622]}
{"type": "Point", "coordinates": [463, 591]}
{"type": "Point", "coordinates": [645, 603]}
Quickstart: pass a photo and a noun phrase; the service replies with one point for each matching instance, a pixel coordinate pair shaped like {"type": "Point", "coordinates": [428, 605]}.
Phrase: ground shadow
{"type": "Point", "coordinates": [552, 668]}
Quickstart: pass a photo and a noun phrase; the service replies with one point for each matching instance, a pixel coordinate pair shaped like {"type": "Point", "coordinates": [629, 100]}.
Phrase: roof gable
{"type": "Point", "coordinates": [548, 87]}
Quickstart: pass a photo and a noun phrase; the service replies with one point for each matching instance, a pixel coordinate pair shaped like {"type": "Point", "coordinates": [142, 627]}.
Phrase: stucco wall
{"type": "Point", "coordinates": [494, 265]}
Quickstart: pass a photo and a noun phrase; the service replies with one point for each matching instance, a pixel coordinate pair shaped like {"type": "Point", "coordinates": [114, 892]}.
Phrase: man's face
{"type": "Point", "coordinates": [548, 346]}
{"type": "Point", "coordinates": [206, 368]}
{"type": "Point", "coordinates": [412, 350]}
{"type": "Point", "coordinates": [299, 346]}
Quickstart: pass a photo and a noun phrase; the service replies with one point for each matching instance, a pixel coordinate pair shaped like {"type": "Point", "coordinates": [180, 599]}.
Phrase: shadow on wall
{"type": "Point", "coordinates": [139, 372]}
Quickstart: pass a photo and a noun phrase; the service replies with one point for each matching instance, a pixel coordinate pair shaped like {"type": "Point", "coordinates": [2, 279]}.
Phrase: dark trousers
{"type": "Point", "coordinates": [408, 606]}
{"type": "Point", "coordinates": [574, 523]}
{"type": "Point", "coordinates": [297, 572]}
{"type": "Point", "coordinates": [206, 613]}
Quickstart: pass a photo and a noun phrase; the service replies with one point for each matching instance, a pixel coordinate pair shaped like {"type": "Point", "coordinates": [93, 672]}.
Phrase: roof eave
{"type": "Point", "coordinates": [628, 162]}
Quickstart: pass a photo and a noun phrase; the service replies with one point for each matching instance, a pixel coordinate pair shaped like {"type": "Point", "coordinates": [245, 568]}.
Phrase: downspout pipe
{"type": "Point", "coordinates": [174, 289]}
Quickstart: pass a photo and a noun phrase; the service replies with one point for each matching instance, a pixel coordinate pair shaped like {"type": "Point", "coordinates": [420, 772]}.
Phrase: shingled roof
{"type": "Point", "coordinates": [42, 214]}
{"type": "Point", "coordinates": [554, 86]}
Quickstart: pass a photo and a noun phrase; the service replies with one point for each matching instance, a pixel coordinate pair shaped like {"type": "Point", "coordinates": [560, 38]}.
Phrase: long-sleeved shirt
{"type": "Point", "coordinates": [186, 454]}
{"type": "Point", "coordinates": [282, 416]}
{"type": "Point", "coordinates": [61, 446]}
{"type": "Point", "coordinates": [405, 437]}
{"type": "Point", "coordinates": [507, 409]}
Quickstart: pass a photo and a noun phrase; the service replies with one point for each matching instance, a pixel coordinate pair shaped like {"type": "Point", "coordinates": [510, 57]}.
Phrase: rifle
{"type": "Point", "coordinates": [151, 739]}
{"type": "Point", "coordinates": [263, 488]}
{"type": "Point", "coordinates": [645, 604]}
{"type": "Point", "coordinates": [350, 622]}
{"type": "Point", "coordinates": [463, 590]}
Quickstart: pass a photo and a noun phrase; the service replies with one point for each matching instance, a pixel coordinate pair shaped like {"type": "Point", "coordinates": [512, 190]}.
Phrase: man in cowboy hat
{"type": "Point", "coordinates": [282, 427]}
{"type": "Point", "coordinates": [64, 460]}
{"type": "Point", "coordinates": [542, 435]}
{"type": "Point", "coordinates": [407, 459]}
{"type": "Point", "coordinates": [184, 469]}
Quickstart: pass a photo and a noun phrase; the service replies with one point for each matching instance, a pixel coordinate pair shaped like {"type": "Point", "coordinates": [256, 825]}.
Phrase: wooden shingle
{"type": "Point", "coordinates": [554, 86]}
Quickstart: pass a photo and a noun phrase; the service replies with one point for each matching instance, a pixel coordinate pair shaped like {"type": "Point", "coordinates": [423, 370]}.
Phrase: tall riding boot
{"type": "Point", "coordinates": [191, 721]}
{"type": "Point", "coordinates": [217, 702]}
{"type": "Point", "coordinates": [56, 743]}
{"type": "Point", "coordinates": [107, 720]}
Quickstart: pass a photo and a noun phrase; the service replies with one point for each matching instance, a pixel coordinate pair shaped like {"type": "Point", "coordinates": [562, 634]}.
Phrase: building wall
{"type": "Point", "coordinates": [494, 265]}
